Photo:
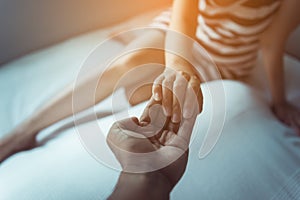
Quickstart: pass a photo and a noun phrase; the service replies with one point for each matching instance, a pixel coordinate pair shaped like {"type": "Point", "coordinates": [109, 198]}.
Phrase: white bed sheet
{"type": "Point", "coordinates": [256, 157]}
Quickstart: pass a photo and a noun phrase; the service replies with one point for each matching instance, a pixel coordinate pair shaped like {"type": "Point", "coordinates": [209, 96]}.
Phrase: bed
{"type": "Point", "coordinates": [256, 156]}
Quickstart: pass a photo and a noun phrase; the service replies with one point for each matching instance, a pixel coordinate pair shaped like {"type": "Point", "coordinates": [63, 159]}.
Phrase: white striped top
{"type": "Point", "coordinates": [229, 31]}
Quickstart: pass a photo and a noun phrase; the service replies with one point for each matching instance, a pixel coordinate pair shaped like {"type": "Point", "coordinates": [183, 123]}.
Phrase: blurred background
{"type": "Point", "coordinates": [28, 25]}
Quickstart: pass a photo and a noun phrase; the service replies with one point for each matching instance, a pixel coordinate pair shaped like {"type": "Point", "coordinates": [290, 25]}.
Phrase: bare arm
{"type": "Point", "coordinates": [273, 42]}
{"type": "Point", "coordinates": [168, 87]}
{"type": "Point", "coordinates": [88, 92]}
{"type": "Point", "coordinates": [149, 176]}
{"type": "Point", "coordinates": [184, 21]}
{"type": "Point", "coordinates": [145, 186]}
{"type": "Point", "coordinates": [59, 107]}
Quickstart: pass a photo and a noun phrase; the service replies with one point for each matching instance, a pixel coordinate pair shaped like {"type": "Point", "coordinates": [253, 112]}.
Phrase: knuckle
{"type": "Point", "coordinates": [156, 87]}
{"type": "Point", "coordinates": [195, 79]}
{"type": "Point", "coordinates": [168, 81]}
{"type": "Point", "coordinates": [184, 74]}
{"type": "Point", "coordinates": [158, 80]}
{"type": "Point", "coordinates": [167, 84]}
{"type": "Point", "coordinates": [179, 86]}
{"type": "Point", "coordinates": [171, 75]}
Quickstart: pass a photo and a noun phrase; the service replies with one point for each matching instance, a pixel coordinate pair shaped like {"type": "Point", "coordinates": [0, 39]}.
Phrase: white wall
{"type": "Point", "coordinates": [26, 25]}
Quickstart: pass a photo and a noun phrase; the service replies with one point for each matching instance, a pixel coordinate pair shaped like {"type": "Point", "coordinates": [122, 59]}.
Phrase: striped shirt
{"type": "Point", "coordinates": [229, 31]}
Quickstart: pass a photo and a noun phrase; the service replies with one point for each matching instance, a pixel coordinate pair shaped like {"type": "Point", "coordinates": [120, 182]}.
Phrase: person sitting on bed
{"type": "Point", "coordinates": [232, 32]}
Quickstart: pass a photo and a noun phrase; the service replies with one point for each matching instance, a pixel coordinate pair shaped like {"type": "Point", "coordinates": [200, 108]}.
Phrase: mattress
{"type": "Point", "coordinates": [255, 156]}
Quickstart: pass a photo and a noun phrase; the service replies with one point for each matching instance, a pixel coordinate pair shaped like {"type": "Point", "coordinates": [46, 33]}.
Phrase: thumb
{"type": "Point", "coordinates": [155, 123]}
{"type": "Point", "coordinates": [130, 124]}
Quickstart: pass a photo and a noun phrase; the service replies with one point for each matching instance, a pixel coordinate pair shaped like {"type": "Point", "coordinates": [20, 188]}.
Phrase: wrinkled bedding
{"type": "Point", "coordinates": [256, 157]}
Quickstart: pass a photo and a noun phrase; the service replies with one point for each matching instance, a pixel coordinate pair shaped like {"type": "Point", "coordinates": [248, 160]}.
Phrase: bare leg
{"type": "Point", "coordinates": [60, 107]}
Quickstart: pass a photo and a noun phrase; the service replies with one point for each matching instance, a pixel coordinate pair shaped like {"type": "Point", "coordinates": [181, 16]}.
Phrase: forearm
{"type": "Point", "coordinates": [184, 17]}
{"type": "Point", "coordinates": [180, 39]}
{"type": "Point", "coordinates": [273, 41]}
{"type": "Point", "coordinates": [147, 186]}
{"type": "Point", "coordinates": [273, 63]}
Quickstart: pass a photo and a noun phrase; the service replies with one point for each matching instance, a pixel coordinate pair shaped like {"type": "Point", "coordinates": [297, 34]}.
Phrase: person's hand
{"type": "Point", "coordinates": [155, 145]}
{"type": "Point", "coordinates": [288, 114]}
{"type": "Point", "coordinates": [172, 87]}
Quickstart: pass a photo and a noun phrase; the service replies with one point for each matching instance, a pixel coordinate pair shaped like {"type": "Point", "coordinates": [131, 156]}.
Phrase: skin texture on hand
{"type": "Point", "coordinates": [273, 41]}
{"type": "Point", "coordinates": [172, 87]}
{"type": "Point", "coordinates": [288, 114]}
{"type": "Point", "coordinates": [152, 144]}
{"type": "Point", "coordinates": [147, 186]}
{"type": "Point", "coordinates": [152, 149]}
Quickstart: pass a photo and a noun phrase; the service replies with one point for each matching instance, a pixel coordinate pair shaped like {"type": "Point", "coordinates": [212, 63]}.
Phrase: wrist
{"type": "Point", "coordinates": [190, 71]}
{"type": "Point", "coordinates": [152, 185]}
{"type": "Point", "coordinates": [179, 64]}
{"type": "Point", "coordinates": [148, 180]}
{"type": "Point", "coordinates": [279, 102]}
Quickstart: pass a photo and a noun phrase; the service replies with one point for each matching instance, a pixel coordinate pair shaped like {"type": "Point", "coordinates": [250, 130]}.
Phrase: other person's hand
{"type": "Point", "coordinates": [155, 144]}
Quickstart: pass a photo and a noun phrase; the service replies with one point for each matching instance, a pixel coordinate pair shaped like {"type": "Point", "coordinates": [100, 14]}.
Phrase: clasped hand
{"type": "Point", "coordinates": [156, 143]}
